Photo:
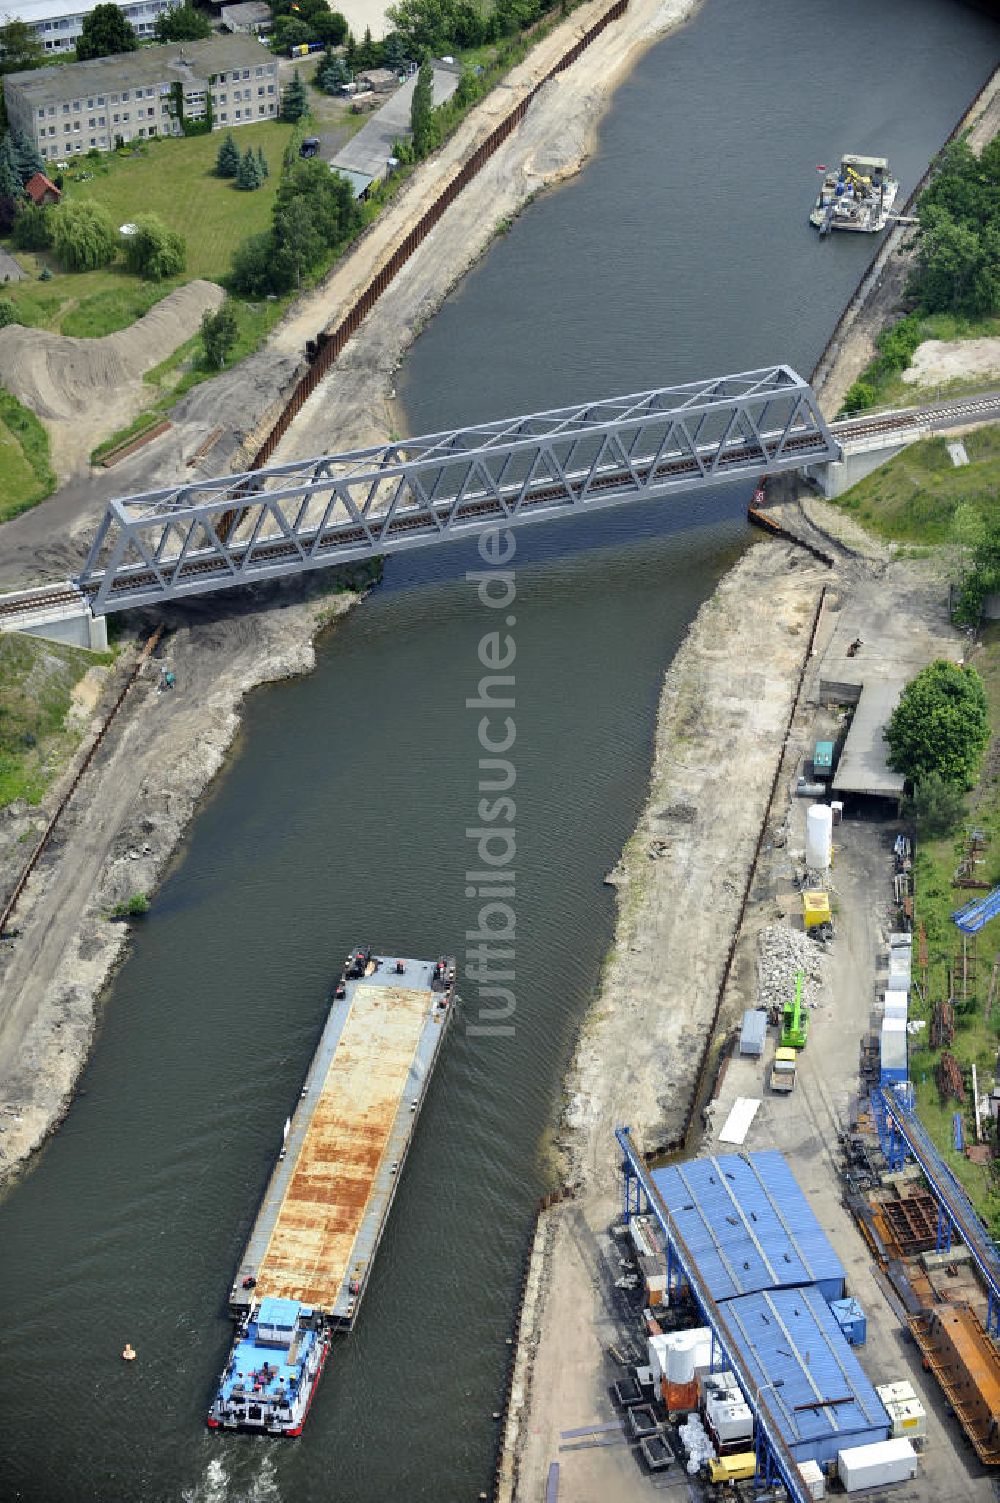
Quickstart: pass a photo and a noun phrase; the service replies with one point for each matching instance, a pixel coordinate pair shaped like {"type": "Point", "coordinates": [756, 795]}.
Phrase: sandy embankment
{"type": "Point", "coordinates": [86, 389]}
{"type": "Point", "coordinates": [136, 803]}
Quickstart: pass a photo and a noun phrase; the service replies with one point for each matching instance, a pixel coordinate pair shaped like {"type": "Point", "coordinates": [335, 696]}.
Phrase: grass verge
{"type": "Point", "coordinates": [37, 679]}
{"type": "Point", "coordinates": [977, 1038]}
{"type": "Point", "coordinates": [26, 476]}
{"type": "Point", "coordinates": [921, 497]}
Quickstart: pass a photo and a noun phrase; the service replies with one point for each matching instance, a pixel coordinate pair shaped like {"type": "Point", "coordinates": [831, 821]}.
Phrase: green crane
{"type": "Point", "coordinates": [795, 1019]}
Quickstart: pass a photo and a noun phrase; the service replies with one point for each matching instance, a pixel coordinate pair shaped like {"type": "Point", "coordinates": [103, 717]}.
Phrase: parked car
{"type": "Point", "coordinates": [310, 147]}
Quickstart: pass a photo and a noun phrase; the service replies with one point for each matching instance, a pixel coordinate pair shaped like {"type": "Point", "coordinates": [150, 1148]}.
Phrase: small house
{"type": "Point", "coordinates": [41, 190]}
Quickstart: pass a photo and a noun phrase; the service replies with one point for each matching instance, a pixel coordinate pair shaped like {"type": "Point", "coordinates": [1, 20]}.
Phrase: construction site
{"type": "Point", "coordinates": [811, 1302]}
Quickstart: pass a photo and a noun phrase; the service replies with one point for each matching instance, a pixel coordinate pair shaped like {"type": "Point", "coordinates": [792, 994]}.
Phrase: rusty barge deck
{"type": "Point", "coordinates": [328, 1198]}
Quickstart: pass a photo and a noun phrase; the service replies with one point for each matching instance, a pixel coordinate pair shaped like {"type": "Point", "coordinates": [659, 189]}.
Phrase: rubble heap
{"type": "Point", "coordinates": [781, 952]}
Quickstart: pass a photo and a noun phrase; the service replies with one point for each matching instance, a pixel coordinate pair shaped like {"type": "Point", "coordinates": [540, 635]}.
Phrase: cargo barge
{"type": "Point", "coordinates": [306, 1265]}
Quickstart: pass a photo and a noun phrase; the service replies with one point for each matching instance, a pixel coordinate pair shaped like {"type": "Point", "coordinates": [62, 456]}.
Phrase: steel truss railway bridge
{"type": "Point", "coordinates": [280, 521]}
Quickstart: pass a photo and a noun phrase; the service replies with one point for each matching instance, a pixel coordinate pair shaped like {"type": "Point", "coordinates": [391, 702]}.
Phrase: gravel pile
{"type": "Point", "coordinates": [781, 953]}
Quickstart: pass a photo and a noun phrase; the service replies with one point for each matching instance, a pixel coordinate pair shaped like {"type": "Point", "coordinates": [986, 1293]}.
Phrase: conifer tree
{"type": "Point", "coordinates": [249, 177]}
{"type": "Point", "coordinates": [227, 163]}
{"type": "Point", "coordinates": [294, 103]}
{"type": "Point", "coordinates": [264, 169]}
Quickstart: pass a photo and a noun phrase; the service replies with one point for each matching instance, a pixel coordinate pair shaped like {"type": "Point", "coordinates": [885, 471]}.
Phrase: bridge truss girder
{"type": "Point", "coordinates": [338, 508]}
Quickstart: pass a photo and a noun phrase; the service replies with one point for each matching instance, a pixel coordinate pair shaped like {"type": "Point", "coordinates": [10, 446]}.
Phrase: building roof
{"type": "Point", "coordinates": [863, 767]}
{"type": "Point", "coordinates": [798, 1356]}
{"type": "Point", "coordinates": [148, 65]}
{"type": "Point", "coordinates": [747, 1224]}
{"type": "Point", "coordinates": [38, 185]}
{"type": "Point", "coordinates": [360, 181]}
{"type": "Point", "coordinates": [247, 13]}
{"type": "Point", "coordinates": [34, 11]}
{"type": "Point", "coordinates": [369, 151]}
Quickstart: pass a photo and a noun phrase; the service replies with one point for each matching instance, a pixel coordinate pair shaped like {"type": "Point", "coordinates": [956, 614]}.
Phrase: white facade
{"type": "Point", "coordinates": [94, 105]}
{"type": "Point", "coordinates": [58, 24]}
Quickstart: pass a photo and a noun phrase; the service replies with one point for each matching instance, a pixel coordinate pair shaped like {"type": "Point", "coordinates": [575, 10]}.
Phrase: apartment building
{"type": "Point", "coordinates": [108, 101]}
{"type": "Point", "coordinates": [58, 23]}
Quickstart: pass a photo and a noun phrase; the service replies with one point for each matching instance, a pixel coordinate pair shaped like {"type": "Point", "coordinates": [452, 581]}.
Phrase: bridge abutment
{"type": "Point", "coordinates": [860, 457]}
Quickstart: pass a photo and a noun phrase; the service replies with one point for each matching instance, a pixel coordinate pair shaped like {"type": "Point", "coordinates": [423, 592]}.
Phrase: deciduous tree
{"type": "Point", "coordinates": [219, 332]}
{"type": "Point", "coordinates": [940, 726]}
{"type": "Point", "coordinates": [106, 31]}
{"type": "Point", "coordinates": [20, 46]}
{"type": "Point", "coordinates": [182, 23]}
{"type": "Point", "coordinates": [33, 227]}
{"type": "Point", "coordinates": [153, 251]}
{"type": "Point", "coordinates": [83, 236]}
{"type": "Point", "coordinates": [937, 807]}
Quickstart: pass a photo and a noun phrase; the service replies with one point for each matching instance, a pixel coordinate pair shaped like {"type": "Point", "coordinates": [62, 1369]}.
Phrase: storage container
{"type": "Point", "coordinates": [895, 1393]}
{"type": "Point", "coordinates": [729, 1421]}
{"type": "Point", "coordinates": [851, 1320]}
{"type": "Point", "coordinates": [753, 1033]}
{"type": "Point", "coordinates": [893, 1052]}
{"type": "Point", "coordinates": [812, 1476]}
{"type": "Point", "coordinates": [862, 1467]}
{"type": "Point", "coordinates": [896, 1005]}
{"type": "Point", "coordinates": [909, 1418]}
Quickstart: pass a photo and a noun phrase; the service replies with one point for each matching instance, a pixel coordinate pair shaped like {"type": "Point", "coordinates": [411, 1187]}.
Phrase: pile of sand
{"type": "Point", "coordinates": [939, 360]}
{"type": "Point", "coordinates": [91, 387]}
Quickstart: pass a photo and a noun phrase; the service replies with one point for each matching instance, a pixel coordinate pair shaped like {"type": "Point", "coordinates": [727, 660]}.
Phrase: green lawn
{"type": "Point", "coordinates": [25, 473]}
{"type": "Point", "coordinates": [976, 1039]}
{"type": "Point", "coordinates": [174, 179]}
{"type": "Point", "coordinates": [36, 683]}
{"type": "Point", "coordinates": [915, 497]}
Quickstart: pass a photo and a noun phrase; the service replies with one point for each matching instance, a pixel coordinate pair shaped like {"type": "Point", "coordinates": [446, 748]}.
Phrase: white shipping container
{"type": "Point", "coordinates": [862, 1467]}
{"type": "Point", "coordinates": [731, 1422]}
{"type": "Point", "coordinates": [896, 1005]}
{"type": "Point", "coordinates": [895, 1393]}
{"type": "Point", "coordinates": [909, 1418]}
{"type": "Point", "coordinates": [812, 1476]}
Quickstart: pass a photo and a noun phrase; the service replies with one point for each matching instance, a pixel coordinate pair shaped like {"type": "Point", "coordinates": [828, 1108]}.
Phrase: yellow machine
{"type": "Point", "coordinates": [816, 909]}
{"type": "Point", "coordinates": [738, 1468]}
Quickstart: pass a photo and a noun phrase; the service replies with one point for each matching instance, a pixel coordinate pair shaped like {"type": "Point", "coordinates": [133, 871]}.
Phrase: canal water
{"type": "Point", "coordinates": [682, 250]}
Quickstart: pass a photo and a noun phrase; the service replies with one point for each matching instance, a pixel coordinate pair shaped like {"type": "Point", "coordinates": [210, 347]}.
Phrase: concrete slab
{"type": "Point", "coordinates": [877, 646]}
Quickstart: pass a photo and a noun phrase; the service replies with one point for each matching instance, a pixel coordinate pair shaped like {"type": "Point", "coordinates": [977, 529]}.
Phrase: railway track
{"type": "Point", "coordinates": [244, 561]}
{"type": "Point", "coordinates": [24, 602]}
{"type": "Point", "coordinates": [972, 409]}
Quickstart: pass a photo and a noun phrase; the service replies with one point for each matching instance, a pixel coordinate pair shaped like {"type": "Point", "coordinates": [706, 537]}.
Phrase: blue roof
{"type": "Point", "coordinates": [282, 1313]}
{"type": "Point", "coordinates": [264, 1371]}
{"type": "Point", "coordinates": [798, 1355]}
{"type": "Point", "coordinates": [748, 1225]}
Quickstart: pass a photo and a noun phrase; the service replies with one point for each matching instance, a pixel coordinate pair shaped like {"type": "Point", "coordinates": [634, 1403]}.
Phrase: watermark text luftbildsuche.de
{"type": "Point", "coordinates": [490, 881]}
